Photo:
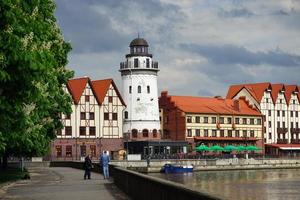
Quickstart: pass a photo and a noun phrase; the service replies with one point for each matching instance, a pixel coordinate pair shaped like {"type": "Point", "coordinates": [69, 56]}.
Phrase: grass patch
{"type": "Point", "coordinates": [12, 175]}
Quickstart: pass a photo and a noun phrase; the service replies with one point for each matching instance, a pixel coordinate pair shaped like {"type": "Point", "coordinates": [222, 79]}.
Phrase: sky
{"type": "Point", "coordinates": [202, 46]}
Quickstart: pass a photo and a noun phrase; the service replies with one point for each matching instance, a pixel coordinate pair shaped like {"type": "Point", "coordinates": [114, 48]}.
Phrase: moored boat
{"type": "Point", "coordinates": [170, 168]}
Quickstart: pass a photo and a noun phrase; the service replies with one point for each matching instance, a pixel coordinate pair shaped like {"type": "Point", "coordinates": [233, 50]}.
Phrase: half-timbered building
{"type": "Point", "coordinates": [95, 123]}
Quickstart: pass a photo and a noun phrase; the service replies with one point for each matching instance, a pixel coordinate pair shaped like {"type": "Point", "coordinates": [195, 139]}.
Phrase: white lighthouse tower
{"type": "Point", "coordinates": [139, 77]}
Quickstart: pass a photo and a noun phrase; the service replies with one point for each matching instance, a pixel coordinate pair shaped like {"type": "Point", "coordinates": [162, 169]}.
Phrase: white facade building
{"type": "Point", "coordinates": [140, 93]}
{"type": "Point", "coordinates": [279, 104]}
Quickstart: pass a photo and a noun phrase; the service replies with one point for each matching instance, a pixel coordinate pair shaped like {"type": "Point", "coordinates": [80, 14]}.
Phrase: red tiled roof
{"type": "Point", "coordinates": [213, 105]}
{"type": "Point", "coordinates": [289, 89]}
{"type": "Point", "coordinates": [100, 88]}
{"type": "Point", "coordinates": [256, 90]}
{"type": "Point", "coordinates": [76, 87]}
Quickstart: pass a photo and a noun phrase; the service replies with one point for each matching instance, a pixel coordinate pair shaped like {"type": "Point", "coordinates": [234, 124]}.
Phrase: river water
{"type": "Point", "coordinates": [273, 184]}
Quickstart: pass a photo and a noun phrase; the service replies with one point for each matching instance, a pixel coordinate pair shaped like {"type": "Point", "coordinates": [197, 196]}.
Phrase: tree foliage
{"type": "Point", "coordinates": [33, 56]}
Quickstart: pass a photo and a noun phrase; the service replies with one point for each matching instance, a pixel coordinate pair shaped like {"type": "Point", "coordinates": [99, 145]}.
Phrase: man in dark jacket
{"type": "Point", "coordinates": [87, 166]}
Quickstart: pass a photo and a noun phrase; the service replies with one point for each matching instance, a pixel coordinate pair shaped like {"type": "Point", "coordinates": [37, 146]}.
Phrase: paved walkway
{"type": "Point", "coordinates": [62, 183]}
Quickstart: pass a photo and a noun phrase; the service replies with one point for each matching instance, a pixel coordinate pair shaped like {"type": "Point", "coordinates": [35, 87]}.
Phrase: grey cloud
{"type": "Point", "coordinates": [230, 54]}
{"type": "Point", "coordinates": [237, 12]}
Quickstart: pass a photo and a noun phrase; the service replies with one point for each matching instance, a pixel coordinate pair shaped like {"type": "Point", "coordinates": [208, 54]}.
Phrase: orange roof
{"type": "Point", "coordinates": [289, 89]}
{"type": "Point", "coordinates": [76, 87]}
{"type": "Point", "coordinates": [100, 88]}
{"type": "Point", "coordinates": [256, 90]}
{"type": "Point", "coordinates": [213, 105]}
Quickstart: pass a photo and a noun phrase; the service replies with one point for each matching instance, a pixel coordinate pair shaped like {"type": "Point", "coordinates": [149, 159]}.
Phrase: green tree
{"type": "Point", "coordinates": [33, 56]}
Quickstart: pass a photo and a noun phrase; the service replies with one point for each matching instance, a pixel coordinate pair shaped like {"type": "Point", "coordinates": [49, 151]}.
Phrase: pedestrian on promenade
{"type": "Point", "coordinates": [87, 166]}
{"type": "Point", "coordinates": [104, 161]}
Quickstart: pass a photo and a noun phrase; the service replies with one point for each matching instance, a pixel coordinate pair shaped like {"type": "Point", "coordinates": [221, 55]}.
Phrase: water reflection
{"type": "Point", "coordinates": [243, 184]}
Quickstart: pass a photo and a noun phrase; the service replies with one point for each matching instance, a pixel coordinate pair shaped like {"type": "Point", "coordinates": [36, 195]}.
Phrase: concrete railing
{"type": "Point", "coordinates": [141, 186]}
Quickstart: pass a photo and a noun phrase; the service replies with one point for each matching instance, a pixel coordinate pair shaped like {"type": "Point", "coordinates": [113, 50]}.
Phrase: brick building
{"type": "Point", "coordinates": [95, 123]}
{"type": "Point", "coordinates": [210, 120]}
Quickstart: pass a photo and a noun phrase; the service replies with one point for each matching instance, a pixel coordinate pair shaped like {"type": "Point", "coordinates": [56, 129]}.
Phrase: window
{"type": "Point", "coordinates": [68, 116]}
{"type": "Point", "coordinates": [244, 120]}
{"type": "Point", "coordinates": [134, 133]}
{"type": "Point", "coordinates": [139, 89]}
{"type": "Point", "coordinates": [297, 125]}
{"type": "Point", "coordinates": [251, 121]}
{"type": "Point", "coordinates": [110, 99]}
{"type": "Point", "coordinates": [280, 100]}
{"type": "Point", "coordinates": [270, 124]}
{"type": "Point", "coordinates": [115, 116]}
{"type": "Point", "coordinates": [267, 100]}
{"type": "Point", "coordinates": [92, 116]}
{"type": "Point", "coordinates": [259, 121]}
{"type": "Point", "coordinates": [205, 120]}
{"type": "Point", "coordinates": [58, 132]}
{"type": "Point", "coordinates": [294, 102]}
{"type": "Point", "coordinates": [292, 113]}
{"type": "Point", "coordinates": [147, 63]}
{"type": "Point", "coordinates": [82, 115]}
{"type": "Point", "coordinates": [69, 151]}
{"type": "Point", "coordinates": [129, 89]}
{"type": "Point", "coordinates": [278, 124]}
{"type": "Point", "coordinates": [292, 125]}
{"type": "Point", "coordinates": [92, 130]}
{"type": "Point", "coordinates": [221, 120]}
{"type": "Point", "coordinates": [283, 113]}
{"type": "Point", "coordinates": [283, 124]}
{"type": "Point", "coordinates": [237, 120]}
{"type": "Point", "coordinates": [251, 133]}
{"type": "Point", "coordinates": [126, 114]}
{"type": "Point", "coordinates": [244, 133]}
{"type": "Point", "coordinates": [145, 133]}
{"type": "Point", "coordinates": [197, 119]}
{"type": "Point", "coordinates": [221, 133]}
{"type": "Point", "coordinates": [270, 136]}
{"type": "Point", "coordinates": [58, 150]}
{"type": "Point", "coordinates": [93, 150]}
{"type": "Point", "coordinates": [136, 63]}
{"type": "Point", "coordinates": [87, 98]}
{"type": "Point", "coordinates": [214, 133]}
{"type": "Point", "coordinates": [68, 130]}
{"type": "Point", "coordinates": [237, 133]}
{"type": "Point", "coordinates": [189, 119]}
{"type": "Point", "coordinates": [278, 112]}
{"type": "Point", "coordinates": [106, 116]}
{"type": "Point", "coordinates": [229, 120]}
{"type": "Point", "coordinates": [82, 130]}
{"type": "Point", "coordinates": [189, 132]}
{"type": "Point", "coordinates": [296, 114]}
{"type": "Point", "coordinates": [213, 120]}
{"type": "Point", "coordinates": [82, 150]}
{"type": "Point", "coordinates": [154, 133]}
{"type": "Point", "coordinates": [229, 133]}
{"type": "Point", "coordinates": [148, 89]}
{"type": "Point", "coordinates": [198, 132]}
{"type": "Point", "coordinates": [205, 133]}
{"type": "Point", "coordinates": [269, 112]}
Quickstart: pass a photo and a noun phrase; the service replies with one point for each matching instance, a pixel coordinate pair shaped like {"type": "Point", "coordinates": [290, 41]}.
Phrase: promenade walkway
{"type": "Point", "coordinates": [61, 183]}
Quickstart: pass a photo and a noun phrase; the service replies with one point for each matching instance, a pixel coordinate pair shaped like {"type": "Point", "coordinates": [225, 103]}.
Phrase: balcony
{"type": "Point", "coordinates": [295, 130]}
{"type": "Point", "coordinates": [282, 130]}
{"type": "Point", "coordinates": [295, 141]}
{"type": "Point", "coordinates": [139, 66]}
{"type": "Point", "coordinates": [282, 141]}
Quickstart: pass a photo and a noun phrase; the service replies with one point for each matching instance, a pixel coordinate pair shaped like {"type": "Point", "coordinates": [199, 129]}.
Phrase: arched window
{"type": "Point", "coordinates": [139, 89]}
{"type": "Point", "coordinates": [129, 89]}
{"type": "Point", "coordinates": [126, 114]}
{"type": "Point", "coordinates": [134, 133]}
{"type": "Point", "coordinates": [145, 132]}
{"type": "Point", "coordinates": [148, 89]}
{"type": "Point", "coordinates": [154, 131]}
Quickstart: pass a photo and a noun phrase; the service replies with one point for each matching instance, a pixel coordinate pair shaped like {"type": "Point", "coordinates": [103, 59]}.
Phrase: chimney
{"type": "Point", "coordinates": [236, 105]}
{"type": "Point", "coordinates": [164, 93]}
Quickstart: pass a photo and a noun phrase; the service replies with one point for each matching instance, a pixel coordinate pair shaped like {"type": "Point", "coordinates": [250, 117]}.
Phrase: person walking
{"type": "Point", "coordinates": [104, 161]}
{"type": "Point", "coordinates": [87, 166]}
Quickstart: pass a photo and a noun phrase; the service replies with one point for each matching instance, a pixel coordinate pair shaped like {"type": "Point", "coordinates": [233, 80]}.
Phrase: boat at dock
{"type": "Point", "coordinates": [174, 168]}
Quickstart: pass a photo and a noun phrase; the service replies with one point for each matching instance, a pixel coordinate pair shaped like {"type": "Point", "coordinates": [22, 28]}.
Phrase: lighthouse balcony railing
{"type": "Point", "coordinates": [123, 65]}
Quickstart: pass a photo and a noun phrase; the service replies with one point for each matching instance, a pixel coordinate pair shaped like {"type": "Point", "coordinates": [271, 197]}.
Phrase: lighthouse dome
{"type": "Point", "coordinates": [139, 42]}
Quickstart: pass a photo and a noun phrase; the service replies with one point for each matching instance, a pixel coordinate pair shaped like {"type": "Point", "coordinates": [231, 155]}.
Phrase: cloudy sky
{"type": "Point", "coordinates": [202, 46]}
